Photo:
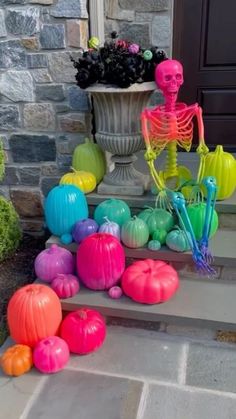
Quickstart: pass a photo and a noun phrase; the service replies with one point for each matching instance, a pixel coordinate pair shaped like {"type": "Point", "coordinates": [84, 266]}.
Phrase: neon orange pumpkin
{"type": "Point", "coordinates": [17, 360]}
{"type": "Point", "coordinates": [33, 313]}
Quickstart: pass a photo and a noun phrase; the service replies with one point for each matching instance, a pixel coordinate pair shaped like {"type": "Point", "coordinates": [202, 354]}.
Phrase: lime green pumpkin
{"type": "Point", "coordinates": [178, 241]}
{"type": "Point", "coordinates": [134, 233]}
{"type": "Point", "coordinates": [160, 235]}
{"type": "Point", "coordinates": [90, 158]}
{"type": "Point", "coordinates": [115, 210]}
{"type": "Point", "coordinates": [196, 213]}
{"type": "Point", "coordinates": [157, 218]}
{"type": "Point", "coordinates": [222, 166]}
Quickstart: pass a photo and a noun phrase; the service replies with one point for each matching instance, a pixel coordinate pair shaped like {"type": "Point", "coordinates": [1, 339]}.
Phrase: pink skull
{"type": "Point", "coordinates": [169, 77]}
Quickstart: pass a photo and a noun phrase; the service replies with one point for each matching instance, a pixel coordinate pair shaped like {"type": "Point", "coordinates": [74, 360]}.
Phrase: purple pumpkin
{"type": "Point", "coordinates": [53, 261]}
{"type": "Point", "coordinates": [84, 228]}
{"type": "Point", "coordinates": [65, 286]}
{"type": "Point", "coordinates": [110, 227]}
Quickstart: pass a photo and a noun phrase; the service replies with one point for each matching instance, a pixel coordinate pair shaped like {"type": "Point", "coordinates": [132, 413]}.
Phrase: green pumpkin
{"type": "Point", "coordinates": [115, 210]}
{"type": "Point", "coordinates": [134, 233]}
{"type": "Point", "coordinates": [89, 157]}
{"type": "Point", "coordinates": [160, 235]}
{"type": "Point", "coordinates": [154, 245]}
{"type": "Point", "coordinates": [157, 219]}
{"type": "Point", "coordinates": [176, 240]}
{"type": "Point", "coordinates": [196, 213]}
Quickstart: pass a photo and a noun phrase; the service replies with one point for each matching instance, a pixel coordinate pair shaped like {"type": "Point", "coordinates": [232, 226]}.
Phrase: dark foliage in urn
{"type": "Point", "coordinates": [118, 62]}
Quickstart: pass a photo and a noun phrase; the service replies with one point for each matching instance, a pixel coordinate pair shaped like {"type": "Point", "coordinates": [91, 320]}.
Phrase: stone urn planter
{"type": "Point", "coordinates": [118, 131]}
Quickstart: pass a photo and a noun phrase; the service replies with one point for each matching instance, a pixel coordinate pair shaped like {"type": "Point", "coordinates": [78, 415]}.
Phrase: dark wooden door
{"type": "Point", "coordinates": [204, 40]}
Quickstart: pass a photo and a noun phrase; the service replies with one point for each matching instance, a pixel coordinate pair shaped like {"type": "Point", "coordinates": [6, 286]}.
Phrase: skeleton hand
{"type": "Point", "coordinates": [202, 148]}
{"type": "Point", "coordinates": [149, 155]}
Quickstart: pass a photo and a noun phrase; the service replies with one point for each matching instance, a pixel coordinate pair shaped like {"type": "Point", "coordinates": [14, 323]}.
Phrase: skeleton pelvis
{"type": "Point", "coordinates": [173, 180]}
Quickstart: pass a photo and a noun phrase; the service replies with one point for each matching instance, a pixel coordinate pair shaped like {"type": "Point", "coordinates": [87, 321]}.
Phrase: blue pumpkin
{"type": "Point", "coordinates": [64, 206]}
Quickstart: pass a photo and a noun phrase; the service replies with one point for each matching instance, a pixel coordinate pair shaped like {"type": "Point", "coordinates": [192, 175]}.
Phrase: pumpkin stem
{"type": "Point", "coordinates": [219, 149]}
{"type": "Point", "coordinates": [106, 219]}
{"type": "Point", "coordinates": [82, 314]}
{"type": "Point", "coordinates": [73, 169]}
{"type": "Point", "coordinates": [53, 248]}
{"type": "Point", "coordinates": [89, 141]}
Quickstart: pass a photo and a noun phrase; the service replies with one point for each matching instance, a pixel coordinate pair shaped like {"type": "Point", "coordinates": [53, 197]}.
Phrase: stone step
{"type": "Point", "coordinates": [198, 303]}
{"type": "Point", "coordinates": [225, 209]}
{"type": "Point", "coordinates": [222, 245]}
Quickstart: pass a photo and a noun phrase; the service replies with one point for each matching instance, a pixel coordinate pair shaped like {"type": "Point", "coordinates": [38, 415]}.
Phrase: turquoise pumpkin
{"type": "Point", "coordinates": [134, 233]}
{"type": "Point", "coordinates": [157, 219]}
{"type": "Point", "coordinates": [115, 210]}
{"type": "Point", "coordinates": [64, 206]}
{"type": "Point", "coordinates": [154, 245]}
{"type": "Point", "coordinates": [178, 241]}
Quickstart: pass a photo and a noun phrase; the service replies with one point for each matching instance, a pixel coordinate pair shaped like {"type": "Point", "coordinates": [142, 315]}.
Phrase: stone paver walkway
{"type": "Point", "coordinates": [137, 374]}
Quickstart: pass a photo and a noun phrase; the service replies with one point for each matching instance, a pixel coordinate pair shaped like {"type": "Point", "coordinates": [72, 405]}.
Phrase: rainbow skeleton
{"type": "Point", "coordinates": [168, 126]}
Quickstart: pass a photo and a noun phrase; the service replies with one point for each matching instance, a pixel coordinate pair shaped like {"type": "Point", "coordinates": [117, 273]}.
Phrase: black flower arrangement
{"type": "Point", "coordinates": [118, 62]}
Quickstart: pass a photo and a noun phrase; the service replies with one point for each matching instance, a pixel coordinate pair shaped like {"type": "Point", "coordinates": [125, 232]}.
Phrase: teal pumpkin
{"type": "Point", "coordinates": [178, 241]}
{"type": "Point", "coordinates": [115, 210]}
{"type": "Point", "coordinates": [154, 245]}
{"type": "Point", "coordinates": [160, 235]}
{"type": "Point", "coordinates": [157, 218]}
{"type": "Point", "coordinates": [196, 213]}
{"type": "Point", "coordinates": [134, 233]}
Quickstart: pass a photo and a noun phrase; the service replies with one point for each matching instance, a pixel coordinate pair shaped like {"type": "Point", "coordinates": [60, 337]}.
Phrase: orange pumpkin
{"type": "Point", "coordinates": [17, 360]}
{"type": "Point", "coordinates": [33, 313]}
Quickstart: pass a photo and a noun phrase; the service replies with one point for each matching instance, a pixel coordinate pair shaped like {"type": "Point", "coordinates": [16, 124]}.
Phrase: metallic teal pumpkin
{"type": "Point", "coordinates": [134, 233]}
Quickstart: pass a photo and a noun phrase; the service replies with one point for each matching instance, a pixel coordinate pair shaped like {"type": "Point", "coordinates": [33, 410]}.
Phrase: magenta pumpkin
{"type": "Point", "coordinates": [65, 286]}
{"type": "Point", "coordinates": [53, 261]}
{"type": "Point", "coordinates": [100, 261]}
{"type": "Point", "coordinates": [150, 281]}
{"type": "Point", "coordinates": [51, 355]}
{"type": "Point", "coordinates": [115, 292]}
{"type": "Point", "coordinates": [84, 331]}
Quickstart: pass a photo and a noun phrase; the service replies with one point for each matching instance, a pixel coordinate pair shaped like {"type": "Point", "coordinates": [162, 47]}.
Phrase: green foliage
{"type": "Point", "coordinates": [10, 232]}
{"type": "Point", "coordinates": [2, 166]}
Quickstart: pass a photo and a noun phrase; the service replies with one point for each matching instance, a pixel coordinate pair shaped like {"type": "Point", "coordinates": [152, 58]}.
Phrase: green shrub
{"type": "Point", "coordinates": [10, 232]}
{"type": "Point", "coordinates": [2, 167]}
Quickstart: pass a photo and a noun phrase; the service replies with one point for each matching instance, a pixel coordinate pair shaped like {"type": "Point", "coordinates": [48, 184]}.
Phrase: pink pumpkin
{"type": "Point", "coordinates": [53, 261]}
{"type": "Point", "coordinates": [84, 331]}
{"type": "Point", "coordinates": [150, 281]}
{"type": "Point", "coordinates": [100, 261]}
{"type": "Point", "coordinates": [51, 355]}
{"type": "Point", "coordinates": [65, 286]}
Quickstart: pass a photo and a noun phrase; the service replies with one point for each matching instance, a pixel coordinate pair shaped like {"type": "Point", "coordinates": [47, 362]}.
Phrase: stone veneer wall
{"type": "Point", "coordinates": [146, 22]}
{"type": "Point", "coordinates": [43, 114]}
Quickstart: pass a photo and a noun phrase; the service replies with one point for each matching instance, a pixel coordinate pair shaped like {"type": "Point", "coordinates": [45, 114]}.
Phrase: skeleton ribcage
{"type": "Point", "coordinates": [165, 127]}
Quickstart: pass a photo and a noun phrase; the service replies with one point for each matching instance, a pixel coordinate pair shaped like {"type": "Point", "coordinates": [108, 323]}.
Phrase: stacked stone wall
{"type": "Point", "coordinates": [43, 114]}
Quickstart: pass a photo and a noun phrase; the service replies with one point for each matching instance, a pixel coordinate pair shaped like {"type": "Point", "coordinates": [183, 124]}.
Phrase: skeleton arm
{"type": "Point", "coordinates": [202, 148]}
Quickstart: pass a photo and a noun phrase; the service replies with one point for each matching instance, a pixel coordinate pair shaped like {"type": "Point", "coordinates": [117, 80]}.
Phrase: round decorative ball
{"type": "Point", "coordinates": [84, 331]}
{"type": "Point", "coordinates": [115, 292]}
{"type": "Point", "coordinates": [154, 245]}
{"type": "Point", "coordinates": [51, 355]}
{"type": "Point", "coordinates": [133, 48]}
{"type": "Point", "coordinates": [147, 55]}
{"type": "Point", "coordinates": [93, 42]}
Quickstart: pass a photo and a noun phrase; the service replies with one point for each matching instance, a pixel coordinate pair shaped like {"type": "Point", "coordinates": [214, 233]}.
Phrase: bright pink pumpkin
{"type": "Point", "coordinates": [84, 331]}
{"type": "Point", "coordinates": [150, 281]}
{"type": "Point", "coordinates": [53, 261]}
{"type": "Point", "coordinates": [100, 261]}
{"type": "Point", "coordinates": [65, 286]}
{"type": "Point", "coordinates": [51, 355]}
